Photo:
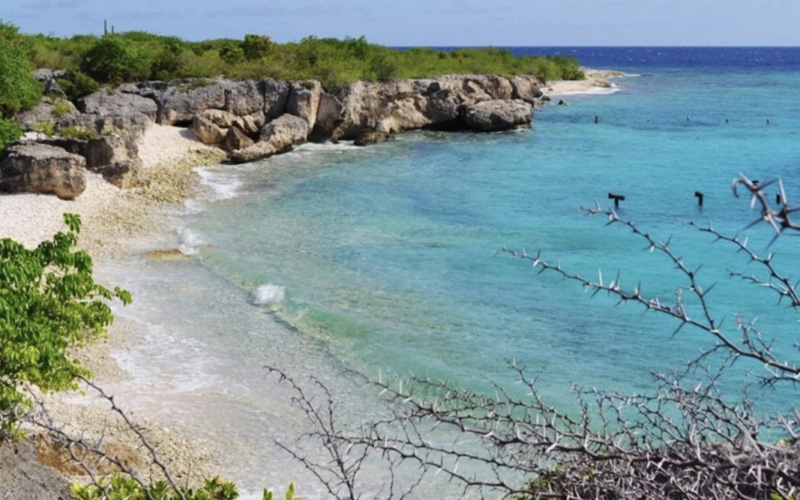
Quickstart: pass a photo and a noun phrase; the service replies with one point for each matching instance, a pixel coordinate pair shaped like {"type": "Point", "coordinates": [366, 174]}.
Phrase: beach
{"type": "Point", "coordinates": [120, 222]}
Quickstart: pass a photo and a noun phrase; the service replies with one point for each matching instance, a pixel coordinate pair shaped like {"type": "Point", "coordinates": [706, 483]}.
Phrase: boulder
{"type": "Point", "coordinates": [250, 124]}
{"type": "Point", "coordinates": [207, 131]}
{"type": "Point", "coordinates": [115, 158]}
{"type": "Point", "coordinates": [116, 103]}
{"type": "Point", "coordinates": [236, 139]}
{"type": "Point", "coordinates": [277, 136]}
{"type": "Point", "coordinates": [39, 168]}
{"type": "Point", "coordinates": [219, 117]}
{"type": "Point", "coordinates": [304, 101]}
{"type": "Point", "coordinates": [498, 115]}
{"type": "Point", "coordinates": [276, 93]}
{"type": "Point", "coordinates": [526, 88]}
{"type": "Point", "coordinates": [44, 112]}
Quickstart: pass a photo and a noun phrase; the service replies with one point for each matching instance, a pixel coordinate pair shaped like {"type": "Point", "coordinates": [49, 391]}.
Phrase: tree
{"type": "Point", "coordinates": [18, 89]}
{"type": "Point", "coordinates": [684, 440]}
{"type": "Point", "coordinates": [114, 59]}
{"type": "Point", "coordinates": [49, 303]}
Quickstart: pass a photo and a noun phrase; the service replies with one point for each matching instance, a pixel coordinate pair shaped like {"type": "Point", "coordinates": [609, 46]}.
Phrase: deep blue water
{"type": "Point", "coordinates": [382, 259]}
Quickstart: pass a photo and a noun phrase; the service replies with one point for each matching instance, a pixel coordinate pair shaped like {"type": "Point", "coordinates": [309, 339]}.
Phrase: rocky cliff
{"type": "Point", "coordinates": [255, 119]}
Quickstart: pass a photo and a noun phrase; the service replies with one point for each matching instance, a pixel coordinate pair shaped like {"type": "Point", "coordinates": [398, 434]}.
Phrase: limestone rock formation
{"type": "Point", "coordinates": [207, 131]}
{"type": "Point", "coordinates": [44, 112]}
{"type": "Point", "coordinates": [39, 168]}
{"type": "Point", "coordinates": [117, 103]}
{"type": "Point", "coordinates": [115, 158]}
{"type": "Point", "coordinates": [180, 103]}
{"type": "Point", "coordinates": [303, 101]}
{"type": "Point", "coordinates": [498, 115]}
{"type": "Point", "coordinates": [276, 94]}
{"type": "Point", "coordinates": [277, 136]}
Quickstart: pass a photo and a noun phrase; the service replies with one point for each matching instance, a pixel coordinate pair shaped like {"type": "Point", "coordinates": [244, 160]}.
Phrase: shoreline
{"type": "Point", "coordinates": [113, 221]}
{"type": "Point", "coordinates": [124, 222]}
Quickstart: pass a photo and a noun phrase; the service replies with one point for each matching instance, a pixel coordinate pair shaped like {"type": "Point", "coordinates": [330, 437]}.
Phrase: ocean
{"type": "Point", "coordinates": [384, 259]}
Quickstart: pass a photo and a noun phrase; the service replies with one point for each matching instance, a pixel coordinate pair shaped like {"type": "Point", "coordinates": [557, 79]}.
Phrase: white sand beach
{"type": "Point", "coordinates": [111, 216]}
{"type": "Point", "coordinates": [596, 82]}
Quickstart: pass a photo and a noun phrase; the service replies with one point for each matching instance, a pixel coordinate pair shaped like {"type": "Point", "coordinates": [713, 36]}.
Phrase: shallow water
{"type": "Point", "coordinates": [382, 259]}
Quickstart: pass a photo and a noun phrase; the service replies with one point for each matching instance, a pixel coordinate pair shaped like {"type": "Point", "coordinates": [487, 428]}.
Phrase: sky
{"type": "Point", "coordinates": [429, 22]}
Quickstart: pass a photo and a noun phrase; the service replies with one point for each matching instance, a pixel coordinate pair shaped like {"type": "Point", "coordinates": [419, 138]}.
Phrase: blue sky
{"type": "Point", "coordinates": [429, 22]}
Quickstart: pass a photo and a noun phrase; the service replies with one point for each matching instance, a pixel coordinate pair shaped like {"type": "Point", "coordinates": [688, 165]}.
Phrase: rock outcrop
{"type": "Point", "coordinates": [39, 168]}
{"type": "Point", "coordinates": [255, 119]}
{"type": "Point", "coordinates": [497, 115]}
{"type": "Point", "coordinates": [277, 136]}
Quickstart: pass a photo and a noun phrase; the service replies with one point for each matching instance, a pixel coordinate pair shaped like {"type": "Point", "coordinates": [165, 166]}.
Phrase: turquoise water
{"type": "Point", "coordinates": [382, 259]}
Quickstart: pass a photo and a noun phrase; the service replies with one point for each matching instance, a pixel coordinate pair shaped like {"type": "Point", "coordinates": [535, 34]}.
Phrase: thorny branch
{"type": "Point", "coordinates": [683, 440]}
{"type": "Point", "coordinates": [89, 453]}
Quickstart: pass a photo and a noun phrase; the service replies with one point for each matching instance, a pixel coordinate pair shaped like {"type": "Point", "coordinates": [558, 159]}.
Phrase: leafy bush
{"type": "Point", "coordinates": [77, 84]}
{"type": "Point", "coordinates": [125, 488]}
{"type": "Point", "coordinates": [49, 303]}
{"type": "Point", "coordinates": [10, 131]}
{"type": "Point", "coordinates": [114, 59]}
{"type": "Point", "coordinates": [62, 108]}
{"type": "Point", "coordinates": [18, 89]}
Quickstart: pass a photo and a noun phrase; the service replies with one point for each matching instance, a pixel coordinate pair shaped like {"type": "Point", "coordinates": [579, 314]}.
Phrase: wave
{"type": "Point", "coordinates": [224, 184]}
{"type": "Point", "coordinates": [189, 241]}
{"type": "Point", "coordinates": [269, 295]}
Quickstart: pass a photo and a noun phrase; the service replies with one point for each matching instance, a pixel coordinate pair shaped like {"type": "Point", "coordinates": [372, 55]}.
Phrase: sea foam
{"type": "Point", "coordinates": [188, 241]}
{"type": "Point", "coordinates": [269, 295]}
{"type": "Point", "coordinates": [223, 185]}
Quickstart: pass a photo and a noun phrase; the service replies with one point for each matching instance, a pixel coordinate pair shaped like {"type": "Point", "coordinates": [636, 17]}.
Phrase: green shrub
{"type": "Point", "coordinates": [78, 133]}
{"type": "Point", "coordinates": [49, 303]}
{"type": "Point", "coordinates": [77, 84]}
{"type": "Point", "coordinates": [62, 108]}
{"type": "Point", "coordinates": [124, 488]}
{"type": "Point", "coordinates": [114, 59]}
{"type": "Point", "coordinates": [46, 128]}
{"type": "Point", "coordinates": [10, 131]}
{"type": "Point", "coordinates": [18, 89]}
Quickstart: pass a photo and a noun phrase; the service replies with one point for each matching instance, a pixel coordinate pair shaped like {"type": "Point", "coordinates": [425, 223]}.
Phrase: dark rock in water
{"type": "Point", "coordinates": [39, 168]}
{"type": "Point", "coordinates": [497, 115]}
{"type": "Point", "coordinates": [562, 102]}
{"type": "Point", "coordinates": [369, 137]}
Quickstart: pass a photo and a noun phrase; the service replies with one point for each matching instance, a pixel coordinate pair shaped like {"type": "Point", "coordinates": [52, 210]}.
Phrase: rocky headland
{"type": "Point", "coordinates": [247, 119]}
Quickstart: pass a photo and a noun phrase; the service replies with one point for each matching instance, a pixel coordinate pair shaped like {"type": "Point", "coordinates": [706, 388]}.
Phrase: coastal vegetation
{"type": "Point", "coordinates": [90, 61]}
{"type": "Point", "coordinates": [49, 304]}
